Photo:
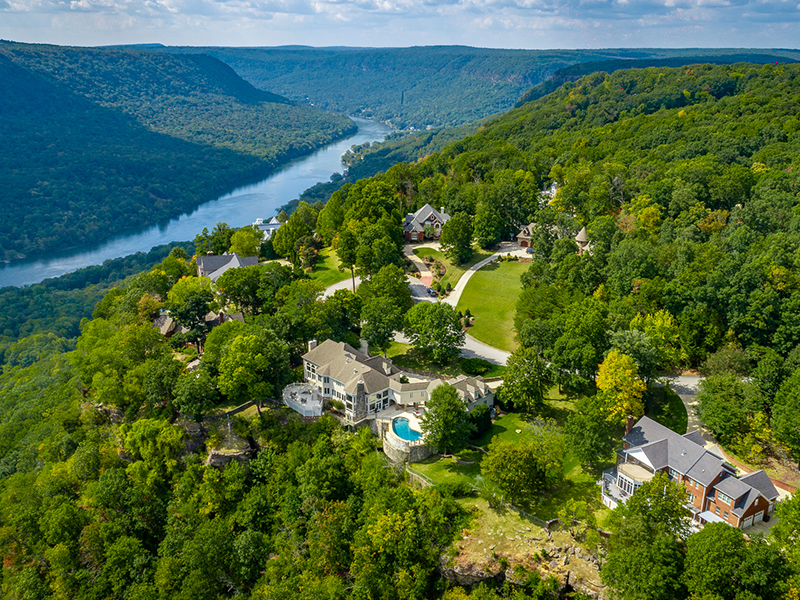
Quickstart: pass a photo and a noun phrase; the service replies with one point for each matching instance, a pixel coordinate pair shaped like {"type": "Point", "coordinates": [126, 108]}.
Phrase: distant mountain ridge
{"type": "Point", "coordinates": [421, 86]}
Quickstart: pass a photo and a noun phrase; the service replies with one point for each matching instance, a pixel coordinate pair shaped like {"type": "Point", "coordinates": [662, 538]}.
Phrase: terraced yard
{"type": "Point", "coordinates": [491, 297]}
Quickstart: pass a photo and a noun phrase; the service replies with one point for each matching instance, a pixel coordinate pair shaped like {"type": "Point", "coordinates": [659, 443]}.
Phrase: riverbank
{"type": "Point", "coordinates": [240, 207]}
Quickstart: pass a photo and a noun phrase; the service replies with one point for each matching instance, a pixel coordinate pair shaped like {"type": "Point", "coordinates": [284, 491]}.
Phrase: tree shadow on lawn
{"type": "Point", "coordinates": [413, 359]}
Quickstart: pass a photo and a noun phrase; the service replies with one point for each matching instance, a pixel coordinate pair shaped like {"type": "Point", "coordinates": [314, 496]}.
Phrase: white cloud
{"type": "Point", "coordinates": [496, 23]}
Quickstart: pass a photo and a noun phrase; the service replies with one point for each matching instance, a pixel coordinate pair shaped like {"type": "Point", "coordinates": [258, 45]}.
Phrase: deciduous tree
{"type": "Point", "coordinates": [618, 379]}
{"type": "Point", "coordinates": [526, 380]}
{"type": "Point", "coordinates": [446, 424]}
{"type": "Point", "coordinates": [456, 238]}
{"type": "Point", "coordinates": [435, 330]}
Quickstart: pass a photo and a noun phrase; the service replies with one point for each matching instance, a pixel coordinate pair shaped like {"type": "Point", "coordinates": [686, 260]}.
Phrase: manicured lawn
{"type": "Point", "coordinates": [491, 297]}
{"type": "Point", "coordinates": [404, 355]}
{"type": "Point", "coordinates": [454, 272]}
{"type": "Point", "coordinates": [665, 406]}
{"type": "Point", "coordinates": [577, 484]}
{"type": "Point", "coordinates": [327, 270]}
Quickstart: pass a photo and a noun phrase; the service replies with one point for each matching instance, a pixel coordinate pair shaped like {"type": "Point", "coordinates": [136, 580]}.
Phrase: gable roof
{"type": "Point", "coordinates": [416, 221]}
{"type": "Point", "coordinates": [213, 266]}
{"type": "Point", "coordinates": [526, 231]}
{"type": "Point", "coordinates": [682, 453]}
{"type": "Point", "coordinates": [761, 481]}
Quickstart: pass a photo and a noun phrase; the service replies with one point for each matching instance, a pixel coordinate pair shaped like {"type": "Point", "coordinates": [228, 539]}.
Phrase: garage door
{"type": "Point", "coordinates": [747, 522]}
{"type": "Point", "coordinates": [759, 516]}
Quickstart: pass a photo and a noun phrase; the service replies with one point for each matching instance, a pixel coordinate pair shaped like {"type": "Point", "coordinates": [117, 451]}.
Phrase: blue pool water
{"type": "Point", "coordinates": [403, 431]}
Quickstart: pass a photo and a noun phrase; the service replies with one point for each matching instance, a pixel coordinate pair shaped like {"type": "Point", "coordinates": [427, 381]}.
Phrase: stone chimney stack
{"type": "Point", "coordinates": [312, 344]}
{"type": "Point", "coordinates": [441, 209]}
{"type": "Point", "coordinates": [629, 423]}
{"type": "Point", "coordinates": [360, 404]}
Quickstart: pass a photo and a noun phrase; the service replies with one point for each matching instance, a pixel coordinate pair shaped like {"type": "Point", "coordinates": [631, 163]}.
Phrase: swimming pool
{"type": "Point", "coordinates": [403, 430]}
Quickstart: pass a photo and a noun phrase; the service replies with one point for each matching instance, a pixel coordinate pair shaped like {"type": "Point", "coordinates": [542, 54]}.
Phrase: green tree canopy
{"type": "Point", "coordinates": [435, 330]}
{"type": "Point", "coordinates": [446, 424]}
{"type": "Point", "coordinates": [456, 238]}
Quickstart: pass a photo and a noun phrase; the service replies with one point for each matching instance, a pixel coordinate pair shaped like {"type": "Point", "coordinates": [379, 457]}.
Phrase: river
{"type": "Point", "coordinates": [240, 207]}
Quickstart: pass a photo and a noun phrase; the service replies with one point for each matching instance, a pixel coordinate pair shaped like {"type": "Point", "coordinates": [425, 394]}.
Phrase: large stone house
{"type": "Point", "coordinates": [369, 384]}
{"type": "Point", "coordinates": [427, 216]}
{"type": "Point", "coordinates": [713, 492]}
{"type": "Point", "coordinates": [213, 265]}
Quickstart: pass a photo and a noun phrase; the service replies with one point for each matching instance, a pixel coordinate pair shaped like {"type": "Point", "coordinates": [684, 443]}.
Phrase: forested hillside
{"type": "Point", "coordinates": [575, 72]}
{"type": "Point", "coordinates": [420, 86]}
{"type": "Point", "coordinates": [99, 141]}
{"type": "Point", "coordinates": [686, 180]}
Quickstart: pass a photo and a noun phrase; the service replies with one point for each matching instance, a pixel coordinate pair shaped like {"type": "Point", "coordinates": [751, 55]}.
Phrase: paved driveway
{"type": "Point", "coordinates": [426, 277]}
{"type": "Point", "coordinates": [472, 348]}
{"type": "Point", "coordinates": [346, 284]}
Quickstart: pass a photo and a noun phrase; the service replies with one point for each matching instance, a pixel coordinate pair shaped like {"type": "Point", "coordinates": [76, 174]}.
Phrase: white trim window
{"type": "Point", "coordinates": [723, 498]}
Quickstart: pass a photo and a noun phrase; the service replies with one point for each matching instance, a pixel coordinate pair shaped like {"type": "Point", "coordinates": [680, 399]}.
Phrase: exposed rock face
{"type": "Point", "coordinates": [467, 576]}
{"type": "Point", "coordinates": [220, 459]}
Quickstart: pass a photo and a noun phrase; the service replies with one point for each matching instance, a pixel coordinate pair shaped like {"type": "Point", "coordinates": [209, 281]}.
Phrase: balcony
{"type": "Point", "coordinates": [635, 472]}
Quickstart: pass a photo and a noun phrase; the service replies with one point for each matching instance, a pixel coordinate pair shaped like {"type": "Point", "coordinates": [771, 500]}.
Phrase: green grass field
{"type": "Point", "coordinates": [327, 270]}
{"type": "Point", "coordinates": [454, 272]}
{"type": "Point", "coordinates": [491, 296]}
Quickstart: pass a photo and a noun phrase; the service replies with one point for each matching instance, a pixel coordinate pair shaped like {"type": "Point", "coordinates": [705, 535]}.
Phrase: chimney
{"type": "Point", "coordinates": [629, 423]}
{"type": "Point", "coordinates": [312, 344]}
{"type": "Point", "coordinates": [221, 317]}
{"type": "Point", "coordinates": [210, 253]}
{"type": "Point", "coordinates": [441, 209]}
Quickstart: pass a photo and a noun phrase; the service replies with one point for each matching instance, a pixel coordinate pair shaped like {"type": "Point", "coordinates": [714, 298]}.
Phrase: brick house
{"type": "Point", "coordinates": [415, 223]}
{"type": "Point", "coordinates": [713, 492]}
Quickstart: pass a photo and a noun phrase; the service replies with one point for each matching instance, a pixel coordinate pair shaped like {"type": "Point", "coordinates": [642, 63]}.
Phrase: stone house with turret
{"type": "Point", "coordinates": [366, 385]}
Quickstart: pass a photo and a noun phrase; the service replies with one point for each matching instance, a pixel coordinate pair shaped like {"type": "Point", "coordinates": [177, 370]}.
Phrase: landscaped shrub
{"type": "Point", "coordinates": [481, 418]}
{"type": "Point", "coordinates": [456, 490]}
{"type": "Point", "coordinates": [474, 366]}
{"type": "Point", "coordinates": [449, 287]}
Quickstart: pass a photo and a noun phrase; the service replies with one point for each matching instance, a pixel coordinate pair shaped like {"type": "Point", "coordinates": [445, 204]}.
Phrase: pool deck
{"type": "Point", "coordinates": [394, 411]}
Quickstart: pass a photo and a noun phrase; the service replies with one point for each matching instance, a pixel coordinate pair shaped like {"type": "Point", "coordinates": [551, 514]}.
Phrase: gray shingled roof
{"type": "Point", "coordinates": [761, 481]}
{"type": "Point", "coordinates": [216, 265]}
{"type": "Point", "coordinates": [657, 453]}
{"type": "Point", "coordinates": [733, 487]}
{"type": "Point", "coordinates": [683, 454]}
{"type": "Point", "coordinates": [696, 437]}
{"type": "Point", "coordinates": [416, 221]}
{"type": "Point", "coordinates": [706, 469]}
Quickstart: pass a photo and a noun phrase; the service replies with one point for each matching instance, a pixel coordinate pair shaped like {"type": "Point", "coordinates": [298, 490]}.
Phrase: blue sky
{"type": "Point", "coordinates": [486, 23]}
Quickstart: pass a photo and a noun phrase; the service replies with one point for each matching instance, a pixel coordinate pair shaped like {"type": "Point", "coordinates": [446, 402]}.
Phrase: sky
{"type": "Point", "coordinates": [530, 24]}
